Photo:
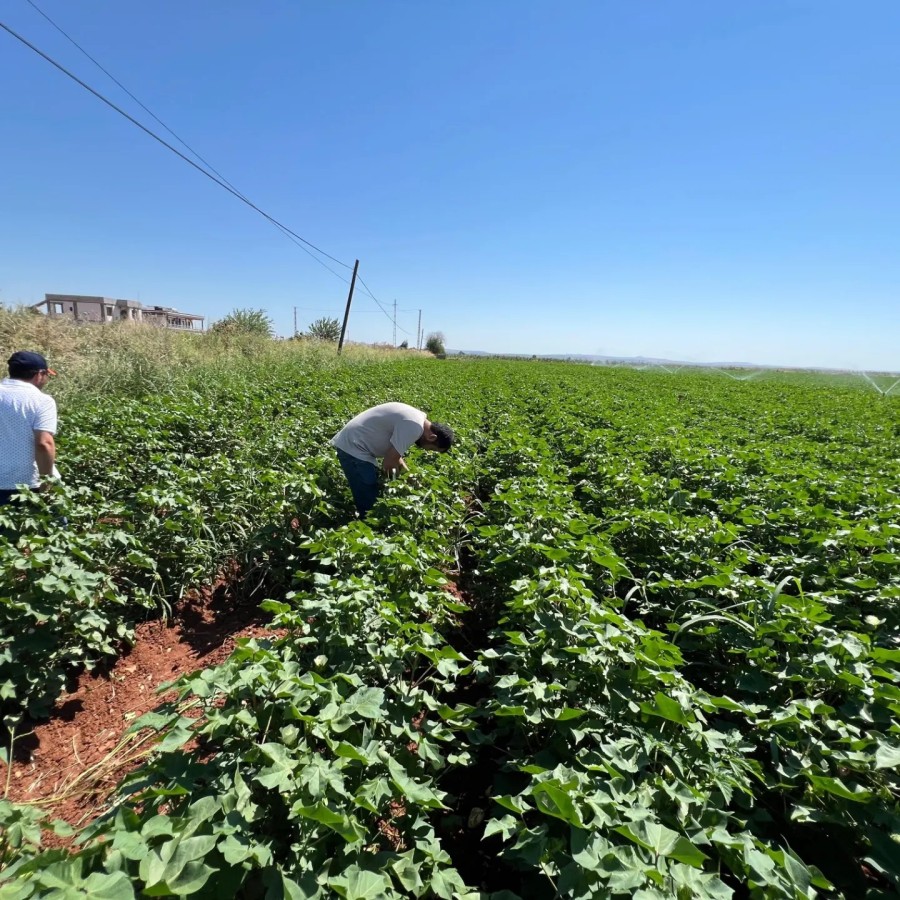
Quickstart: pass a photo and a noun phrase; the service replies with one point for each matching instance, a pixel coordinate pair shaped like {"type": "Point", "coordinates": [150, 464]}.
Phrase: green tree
{"type": "Point", "coordinates": [434, 343]}
{"type": "Point", "coordinates": [325, 329]}
{"type": "Point", "coordinates": [245, 321]}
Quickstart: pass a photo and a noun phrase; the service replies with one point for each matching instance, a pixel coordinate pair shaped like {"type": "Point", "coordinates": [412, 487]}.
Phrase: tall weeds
{"type": "Point", "coordinates": [127, 359]}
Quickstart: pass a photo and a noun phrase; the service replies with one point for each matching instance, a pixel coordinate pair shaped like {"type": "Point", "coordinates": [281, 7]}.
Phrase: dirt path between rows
{"type": "Point", "coordinates": [62, 763]}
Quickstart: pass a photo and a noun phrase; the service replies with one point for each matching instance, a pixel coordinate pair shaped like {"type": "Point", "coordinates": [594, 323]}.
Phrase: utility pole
{"type": "Point", "coordinates": [395, 321]}
{"type": "Point", "coordinates": [295, 321]}
{"type": "Point", "coordinates": [347, 310]}
{"type": "Point", "coordinates": [419, 332]}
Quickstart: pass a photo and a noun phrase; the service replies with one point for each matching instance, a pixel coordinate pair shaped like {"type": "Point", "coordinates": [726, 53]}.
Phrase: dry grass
{"type": "Point", "coordinates": [125, 358]}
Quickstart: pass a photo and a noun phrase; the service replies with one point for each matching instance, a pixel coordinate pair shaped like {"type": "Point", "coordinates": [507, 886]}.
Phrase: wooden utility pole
{"type": "Point", "coordinates": [395, 321]}
{"type": "Point", "coordinates": [419, 332]}
{"type": "Point", "coordinates": [295, 321]}
{"type": "Point", "coordinates": [347, 310]}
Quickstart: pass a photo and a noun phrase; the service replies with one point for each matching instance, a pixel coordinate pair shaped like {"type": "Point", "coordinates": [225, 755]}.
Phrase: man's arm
{"type": "Point", "coordinates": [44, 451]}
{"type": "Point", "coordinates": [393, 460]}
{"type": "Point", "coordinates": [406, 433]}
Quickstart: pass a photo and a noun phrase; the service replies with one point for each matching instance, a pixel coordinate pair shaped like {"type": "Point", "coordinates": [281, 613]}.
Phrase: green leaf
{"type": "Point", "coordinates": [887, 756]}
{"type": "Point", "coordinates": [552, 799]}
{"type": "Point", "coordinates": [688, 853]}
{"type": "Point", "coordinates": [113, 886]}
{"type": "Point", "coordinates": [318, 775]}
{"type": "Point", "coordinates": [663, 841]}
{"type": "Point", "coordinates": [505, 826]}
{"type": "Point", "coordinates": [412, 790]}
{"type": "Point", "coordinates": [130, 844]}
{"type": "Point", "coordinates": [344, 825]}
{"type": "Point", "coordinates": [174, 739]}
{"type": "Point", "coordinates": [348, 751]}
{"type": "Point", "coordinates": [514, 803]}
{"type": "Point", "coordinates": [361, 884]}
{"type": "Point", "coordinates": [236, 848]}
{"type": "Point", "coordinates": [367, 702]}
{"type": "Point", "coordinates": [699, 885]}
{"type": "Point", "coordinates": [408, 873]}
{"type": "Point", "coordinates": [666, 708]}
{"type": "Point", "coordinates": [839, 789]}
{"type": "Point", "coordinates": [157, 825]}
{"type": "Point", "coordinates": [446, 882]}
{"type": "Point", "coordinates": [280, 774]}
{"type": "Point", "coordinates": [190, 878]}
{"type": "Point", "coordinates": [588, 848]}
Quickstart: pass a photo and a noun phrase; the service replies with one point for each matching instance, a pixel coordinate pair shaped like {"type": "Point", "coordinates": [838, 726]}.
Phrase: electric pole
{"type": "Point", "coordinates": [295, 321]}
{"type": "Point", "coordinates": [347, 310]}
{"type": "Point", "coordinates": [395, 321]}
{"type": "Point", "coordinates": [419, 332]}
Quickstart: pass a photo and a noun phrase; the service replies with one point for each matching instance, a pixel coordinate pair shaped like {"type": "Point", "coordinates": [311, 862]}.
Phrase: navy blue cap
{"type": "Point", "coordinates": [28, 359]}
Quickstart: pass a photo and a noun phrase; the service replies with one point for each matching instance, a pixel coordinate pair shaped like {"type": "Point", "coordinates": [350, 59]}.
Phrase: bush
{"type": "Point", "coordinates": [434, 343]}
{"type": "Point", "coordinates": [324, 329]}
{"type": "Point", "coordinates": [245, 321]}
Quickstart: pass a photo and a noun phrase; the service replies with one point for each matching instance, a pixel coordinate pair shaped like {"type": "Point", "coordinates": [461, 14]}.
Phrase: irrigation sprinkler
{"type": "Point", "coordinates": [877, 386]}
{"type": "Point", "coordinates": [734, 377]}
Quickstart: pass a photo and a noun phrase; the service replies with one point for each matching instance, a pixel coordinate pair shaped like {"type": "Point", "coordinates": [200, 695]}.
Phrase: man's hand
{"type": "Point", "coordinates": [393, 461]}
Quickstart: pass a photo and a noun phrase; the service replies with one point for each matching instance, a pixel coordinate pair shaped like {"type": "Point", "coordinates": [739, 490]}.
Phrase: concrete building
{"type": "Point", "coordinates": [106, 309]}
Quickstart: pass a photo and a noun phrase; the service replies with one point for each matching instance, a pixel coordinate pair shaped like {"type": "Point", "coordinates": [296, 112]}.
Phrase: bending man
{"type": "Point", "coordinates": [384, 432]}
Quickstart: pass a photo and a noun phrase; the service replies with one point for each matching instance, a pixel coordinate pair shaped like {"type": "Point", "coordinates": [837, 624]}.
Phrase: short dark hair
{"type": "Point", "coordinates": [444, 434]}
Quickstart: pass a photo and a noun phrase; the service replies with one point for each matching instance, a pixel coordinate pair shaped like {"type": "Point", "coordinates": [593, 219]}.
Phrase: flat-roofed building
{"type": "Point", "coordinates": [100, 310]}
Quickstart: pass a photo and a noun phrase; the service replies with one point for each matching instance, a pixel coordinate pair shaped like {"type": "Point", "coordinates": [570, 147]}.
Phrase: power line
{"type": "Point", "coordinates": [216, 177]}
{"type": "Point", "coordinates": [390, 317]}
{"type": "Point", "coordinates": [113, 78]}
{"type": "Point", "coordinates": [332, 310]}
{"type": "Point", "coordinates": [213, 177]}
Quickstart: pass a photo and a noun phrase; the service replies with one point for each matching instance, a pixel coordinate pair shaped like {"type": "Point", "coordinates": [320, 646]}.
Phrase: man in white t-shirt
{"type": "Point", "coordinates": [27, 425]}
{"type": "Point", "coordinates": [384, 432]}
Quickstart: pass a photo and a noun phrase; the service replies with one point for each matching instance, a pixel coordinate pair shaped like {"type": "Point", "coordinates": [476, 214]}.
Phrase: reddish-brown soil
{"type": "Point", "coordinates": [64, 763]}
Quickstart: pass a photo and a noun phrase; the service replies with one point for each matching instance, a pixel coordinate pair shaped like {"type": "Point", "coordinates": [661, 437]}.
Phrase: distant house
{"type": "Point", "coordinates": [106, 309]}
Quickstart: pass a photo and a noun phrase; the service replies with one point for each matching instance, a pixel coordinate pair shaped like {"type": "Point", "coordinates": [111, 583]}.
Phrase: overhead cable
{"type": "Point", "coordinates": [366, 288]}
{"type": "Point", "coordinates": [219, 180]}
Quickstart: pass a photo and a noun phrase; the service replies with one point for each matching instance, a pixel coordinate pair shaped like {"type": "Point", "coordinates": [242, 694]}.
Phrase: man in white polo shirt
{"type": "Point", "coordinates": [27, 424]}
{"type": "Point", "coordinates": [384, 432]}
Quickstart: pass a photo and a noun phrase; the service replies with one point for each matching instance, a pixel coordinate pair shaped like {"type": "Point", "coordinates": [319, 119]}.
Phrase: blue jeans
{"type": "Point", "coordinates": [363, 479]}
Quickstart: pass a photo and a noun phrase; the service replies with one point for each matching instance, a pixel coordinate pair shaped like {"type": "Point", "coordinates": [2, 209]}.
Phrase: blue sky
{"type": "Point", "coordinates": [702, 181]}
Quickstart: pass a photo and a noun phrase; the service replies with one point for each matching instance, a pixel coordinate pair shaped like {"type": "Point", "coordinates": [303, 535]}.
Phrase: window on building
{"type": "Point", "coordinates": [56, 309]}
{"type": "Point", "coordinates": [109, 312]}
